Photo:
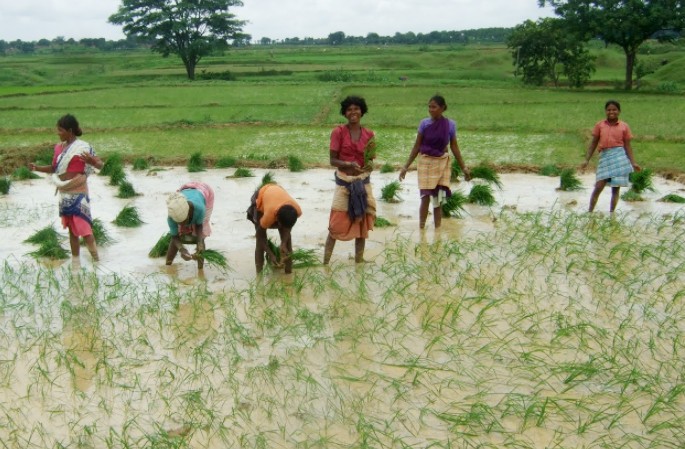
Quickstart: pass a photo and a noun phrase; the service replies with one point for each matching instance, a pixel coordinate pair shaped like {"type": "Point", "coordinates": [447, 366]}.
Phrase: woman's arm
{"type": "Point", "coordinates": [629, 152]}
{"type": "Point", "coordinates": [349, 167]}
{"type": "Point", "coordinates": [590, 151]}
{"type": "Point", "coordinates": [412, 155]}
{"type": "Point", "coordinates": [40, 168]}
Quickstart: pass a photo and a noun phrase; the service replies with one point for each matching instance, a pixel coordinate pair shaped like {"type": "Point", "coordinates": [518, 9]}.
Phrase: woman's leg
{"type": "Point", "coordinates": [171, 253]}
{"type": "Point", "coordinates": [359, 250]}
{"type": "Point", "coordinates": [328, 249]}
{"type": "Point", "coordinates": [614, 198]}
{"type": "Point", "coordinates": [423, 210]}
{"type": "Point", "coordinates": [437, 216]}
{"type": "Point", "coordinates": [74, 244]}
{"type": "Point", "coordinates": [92, 247]}
{"type": "Point", "coordinates": [599, 186]}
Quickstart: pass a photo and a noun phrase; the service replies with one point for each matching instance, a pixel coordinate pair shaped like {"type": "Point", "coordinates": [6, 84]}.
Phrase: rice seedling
{"type": "Point", "coordinates": [226, 162]}
{"type": "Point", "coordinates": [642, 180]}
{"type": "Point", "coordinates": [390, 192]}
{"type": "Point", "coordinates": [303, 258]}
{"type": "Point", "coordinates": [126, 190]}
{"type": "Point", "coordinates": [102, 236]}
{"type": "Point", "coordinates": [50, 250]}
{"type": "Point", "coordinates": [672, 198]}
{"type": "Point", "coordinates": [387, 168]}
{"type": "Point", "coordinates": [23, 173]}
{"type": "Point", "coordinates": [213, 257]}
{"type": "Point", "coordinates": [568, 181]}
{"type": "Point", "coordinates": [160, 248]}
{"type": "Point", "coordinates": [295, 164]}
{"type": "Point", "coordinates": [5, 184]}
{"type": "Point", "coordinates": [455, 171]}
{"type": "Point", "coordinates": [549, 170]}
{"type": "Point", "coordinates": [128, 217]}
{"type": "Point", "coordinates": [481, 194]}
{"type": "Point", "coordinates": [486, 173]}
{"type": "Point", "coordinates": [370, 153]}
{"type": "Point", "coordinates": [631, 195]}
{"type": "Point", "coordinates": [196, 163]}
{"type": "Point", "coordinates": [44, 235]}
{"type": "Point", "coordinates": [117, 175]}
{"type": "Point", "coordinates": [242, 172]}
{"type": "Point", "coordinates": [112, 163]}
{"type": "Point", "coordinates": [454, 204]}
{"type": "Point", "coordinates": [268, 178]}
{"type": "Point", "coordinates": [140, 163]}
{"type": "Point", "coordinates": [381, 222]}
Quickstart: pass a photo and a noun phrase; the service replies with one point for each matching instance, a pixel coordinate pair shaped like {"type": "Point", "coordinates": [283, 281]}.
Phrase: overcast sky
{"type": "Point", "coordinates": [31, 20]}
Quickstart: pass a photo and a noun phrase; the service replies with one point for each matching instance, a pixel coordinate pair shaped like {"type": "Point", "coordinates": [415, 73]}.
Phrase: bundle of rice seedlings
{"type": "Point", "coordinates": [455, 171]}
{"type": "Point", "coordinates": [242, 172]}
{"type": "Point", "coordinates": [631, 195]}
{"type": "Point", "coordinates": [5, 184]}
{"type": "Point", "coordinates": [568, 180]}
{"type": "Point", "coordinates": [454, 206]}
{"type": "Point", "coordinates": [196, 163]}
{"type": "Point", "coordinates": [126, 190]}
{"type": "Point", "coordinates": [44, 157]}
{"type": "Point", "coordinates": [268, 178]}
{"type": "Point", "coordinates": [128, 218]}
{"type": "Point", "coordinates": [102, 237]}
{"type": "Point", "coordinates": [113, 162]}
{"type": "Point", "coordinates": [295, 164]}
{"type": "Point", "coordinates": [225, 162]}
{"type": "Point", "coordinates": [672, 198]}
{"type": "Point", "coordinates": [213, 257]}
{"type": "Point", "coordinates": [161, 247]}
{"type": "Point", "coordinates": [141, 164]}
{"type": "Point", "coordinates": [390, 192]}
{"type": "Point", "coordinates": [22, 173]}
{"type": "Point", "coordinates": [303, 258]}
{"type": "Point", "coordinates": [381, 222]}
{"type": "Point", "coordinates": [370, 153]}
{"type": "Point", "coordinates": [486, 173]}
{"type": "Point", "coordinates": [117, 176]}
{"type": "Point", "coordinates": [46, 234]}
{"type": "Point", "coordinates": [387, 168]}
{"type": "Point", "coordinates": [481, 194]}
{"type": "Point", "coordinates": [51, 250]}
{"type": "Point", "coordinates": [549, 170]}
{"type": "Point", "coordinates": [642, 180]}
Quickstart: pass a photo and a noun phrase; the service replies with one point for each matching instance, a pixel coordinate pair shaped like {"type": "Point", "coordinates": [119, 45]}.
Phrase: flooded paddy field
{"type": "Point", "coordinates": [531, 324]}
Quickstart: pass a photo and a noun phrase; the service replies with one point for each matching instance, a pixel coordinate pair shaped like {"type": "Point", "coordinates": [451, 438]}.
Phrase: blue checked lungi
{"type": "Point", "coordinates": [614, 166]}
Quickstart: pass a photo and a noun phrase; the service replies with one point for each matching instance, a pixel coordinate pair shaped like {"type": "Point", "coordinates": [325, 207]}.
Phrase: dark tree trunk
{"type": "Point", "coordinates": [630, 64]}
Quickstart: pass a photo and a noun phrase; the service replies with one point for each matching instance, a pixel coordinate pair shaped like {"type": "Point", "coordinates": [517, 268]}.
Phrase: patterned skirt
{"type": "Point", "coordinates": [614, 166]}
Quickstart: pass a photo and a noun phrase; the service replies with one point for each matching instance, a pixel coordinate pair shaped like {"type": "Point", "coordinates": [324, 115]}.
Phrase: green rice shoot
{"type": "Point", "coordinates": [23, 173]}
{"type": "Point", "coordinates": [568, 181]}
{"type": "Point", "coordinates": [268, 178]}
{"type": "Point", "coordinates": [44, 235]}
{"type": "Point", "coordinates": [141, 164]}
{"type": "Point", "coordinates": [387, 168]}
{"type": "Point", "coordinates": [390, 192]}
{"type": "Point", "coordinates": [455, 171]}
{"type": "Point", "coordinates": [550, 170]}
{"type": "Point", "coordinates": [481, 194]}
{"type": "Point", "coordinates": [226, 162]}
{"type": "Point", "coordinates": [160, 248]}
{"type": "Point", "coordinates": [117, 176]}
{"type": "Point", "coordinates": [50, 250]}
{"type": "Point", "coordinates": [486, 173]}
{"type": "Point", "coordinates": [642, 180]}
{"type": "Point", "coordinates": [126, 190]}
{"type": "Point", "coordinates": [369, 153]}
{"type": "Point", "coordinates": [5, 184]}
{"type": "Point", "coordinates": [454, 205]}
{"type": "Point", "coordinates": [196, 163]}
{"type": "Point", "coordinates": [631, 195]}
{"type": "Point", "coordinates": [128, 218]}
{"type": "Point", "coordinates": [213, 257]}
{"type": "Point", "coordinates": [672, 198]}
{"type": "Point", "coordinates": [295, 164]}
{"type": "Point", "coordinates": [242, 172]}
{"type": "Point", "coordinates": [381, 222]}
{"type": "Point", "coordinates": [101, 234]}
{"type": "Point", "coordinates": [303, 258]}
{"type": "Point", "coordinates": [112, 163]}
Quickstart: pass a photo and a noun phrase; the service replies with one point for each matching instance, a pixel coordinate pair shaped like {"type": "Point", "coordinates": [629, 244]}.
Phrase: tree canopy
{"type": "Point", "coordinates": [626, 23]}
{"type": "Point", "coordinates": [189, 29]}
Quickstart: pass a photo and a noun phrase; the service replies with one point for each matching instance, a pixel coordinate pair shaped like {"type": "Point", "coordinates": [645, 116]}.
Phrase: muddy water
{"type": "Point", "coordinates": [30, 205]}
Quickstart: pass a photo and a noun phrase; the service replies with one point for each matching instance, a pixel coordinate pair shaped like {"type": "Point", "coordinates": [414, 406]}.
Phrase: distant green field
{"type": "Point", "coordinates": [284, 101]}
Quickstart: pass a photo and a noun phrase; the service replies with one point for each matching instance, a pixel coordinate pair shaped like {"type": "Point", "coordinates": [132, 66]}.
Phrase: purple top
{"type": "Point", "coordinates": [436, 135]}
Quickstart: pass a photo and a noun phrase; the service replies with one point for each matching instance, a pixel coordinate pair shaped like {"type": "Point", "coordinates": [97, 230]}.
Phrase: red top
{"type": "Point", "coordinates": [76, 164]}
{"type": "Point", "coordinates": [349, 151]}
{"type": "Point", "coordinates": [611, 135]}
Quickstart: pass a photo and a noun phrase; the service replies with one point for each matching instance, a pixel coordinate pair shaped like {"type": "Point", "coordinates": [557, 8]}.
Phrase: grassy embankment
{"type": "Point", "coordinates": [285, 101]}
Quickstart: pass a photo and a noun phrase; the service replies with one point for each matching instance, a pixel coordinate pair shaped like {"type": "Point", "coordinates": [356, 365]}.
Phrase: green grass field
{"type": "Point", "coordinates": [141, 105]}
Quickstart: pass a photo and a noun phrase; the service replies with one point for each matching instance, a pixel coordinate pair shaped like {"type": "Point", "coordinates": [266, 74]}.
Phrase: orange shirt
{"type": "Point", "coordinates": [270, 198]}
{"type": "Point", "coordinates": [611, 135]}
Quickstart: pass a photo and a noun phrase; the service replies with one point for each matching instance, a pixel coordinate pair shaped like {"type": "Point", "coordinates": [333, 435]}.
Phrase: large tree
{"type": "Point", "coordinates": [626, 23]}
{"type": "Point", "coordinates": [544, 49]}
{"type": "Point", "coordinates": [190, 29]}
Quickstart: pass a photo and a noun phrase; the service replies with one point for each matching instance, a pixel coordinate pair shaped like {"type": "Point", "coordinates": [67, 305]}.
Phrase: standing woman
{"type": "Point", "coordinates": [72, 162]}
{"type": "Point", "coordinates": [434, 135]}
{"type": "Point", "coordinates": [354, 209]}
{"type": "Point", "coordinates": [616, 160]}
